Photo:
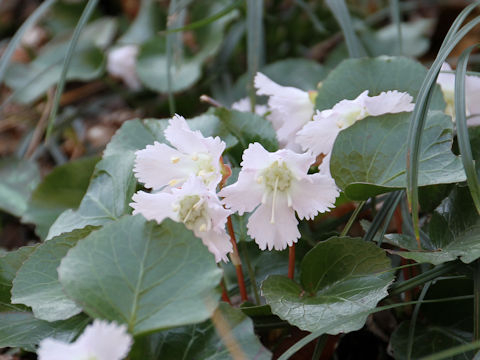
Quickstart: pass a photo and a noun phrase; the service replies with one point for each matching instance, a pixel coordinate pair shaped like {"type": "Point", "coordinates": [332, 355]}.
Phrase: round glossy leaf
{"type": "Point", "coordinates": [18, 178]}
{"type": "Point", "coordinates": [36, 282]}
{"type": "Point", "coordinates": [341, 280]}
{"type": "Point", "coordinates": [9, 265]}
{"type": "Point", "coordinates": [369, 157]}
{"type": "Point", "coordinates": [353, 76]}
{"type": "Point", "coordinates": [60, 190]}
{"type": "Point", "coordinates": [149, 276]}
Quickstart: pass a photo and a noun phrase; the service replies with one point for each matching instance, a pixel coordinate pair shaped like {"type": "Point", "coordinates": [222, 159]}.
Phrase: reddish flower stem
{"type": "Point", "coordinates": [291, 261]}
{"type": "Point", "coordinates": [235, 258]}
{"type": "Point", "coordinates": [224, 292]}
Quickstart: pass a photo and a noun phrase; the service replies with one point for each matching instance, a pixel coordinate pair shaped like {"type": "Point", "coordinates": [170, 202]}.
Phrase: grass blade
{"type": "Point", "coordinates": [340, 12]}
{"type": "Point", "coordinates": [87, 12]}
{"type": "Point", "coordinates": [417, 123]}
{"type": "Point", "coordinates": [449, 353]}
{"type": "Point", "coordinates": [205, 21]}
{"type": "Point", "coordinates": [317, 24]}
{"type": "Point", "coordinates": [255, 48]}
{"type": "Point", "coordinates": [32, 19]}
{"type": "Point", "coordinates": [413, 321]}
{"type": "Point", "coordinates": [462, 129]}
{"type": "Point", "coordinates": [396, 19]}
{"type": "Point", "coordinates": [383, 216]}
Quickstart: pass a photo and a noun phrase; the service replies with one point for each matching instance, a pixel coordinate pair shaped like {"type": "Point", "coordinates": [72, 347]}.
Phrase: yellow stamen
{"type": "Point", "coordinates": [173, 182]}
{"type": "Point", "coordinates": [194, 156]}
{"type": "Point", "coordinates": [259, 180]}
{"type": "Point", "coordinates": [203, 228]}
{"type": "Point", "coordinates": [174, 159]}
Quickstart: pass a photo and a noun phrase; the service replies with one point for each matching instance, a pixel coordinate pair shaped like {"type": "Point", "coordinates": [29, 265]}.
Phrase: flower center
{"type": "Point", "coordinates": [277, 177]}
{"type": "Point", "coordinates": [191, 209]}
{"type": "Point", "coordinates": [205, 168]}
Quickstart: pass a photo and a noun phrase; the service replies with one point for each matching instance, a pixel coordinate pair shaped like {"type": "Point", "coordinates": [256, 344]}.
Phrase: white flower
{"type": "Point", "coordinates": [291, 108]}
{"type": "Point", "coordinates": [160, 165]}
{"type": "Point", "coordinates": [244, 105]}
{"type": "Point", "coordinates": [100, 341]}
{"type": "Point", "coordinates": [279, 185]}
{"type": "Point", "coordinates": [194, 205]}
{"type": "Point", "coordinates": [121, 63]}
{"type": "Point", "coordinates": [318, 136]}
{"type": "Point", "coordinates": [446, 80]}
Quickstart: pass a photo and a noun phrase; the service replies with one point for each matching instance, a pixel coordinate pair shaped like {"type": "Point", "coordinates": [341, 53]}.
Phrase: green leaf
{"type": "Point", "coordinates": [205, 341]}
{"type": "Point", "coordinates": [145, 25]}
{"type": "Point", "coordinates": [247, 128]}
{"type": "Point", "coordinates": [24, 331]}
{"type": "Point", "coordinates": [340, 277]}
{"type": "Point", "coordinates": [454, 232]}
{"type": "Point", "coordinates": [185, 70]}
{"type": "Point", "coordinates": [60, 190]}
{"type": "Point", "coordinates": [149, 276]}
{"type": "Point", "coordinates": [106, 199]}
{"type": "Point", "coordinates": [9, 265]}
{"type": "Point", "coordinates": [36, 283]}
{"type": "Point", "coordinates": [383, 73]}
{"type": "Point", "coordinates": [428, 340]}
{"type": "Point", "coordinates": [369, 157]}
{"type": "Point", "coordinates": [18, 178]}
{"type": "Point", "coordinates": [31, 81]}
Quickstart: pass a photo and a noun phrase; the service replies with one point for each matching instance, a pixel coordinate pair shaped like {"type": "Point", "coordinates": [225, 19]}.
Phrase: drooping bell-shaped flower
{"type": "Point", "coordinates": [121, 63]}
{"type": "Point", "coordinates": [160, 165]}
{"type": "Point", "coordinates": [318, 136]}
{"type": "Point", "coordinates": [275, 186]}
{"type": "Point", "coordinates": [100, 341]}
{"type": "Point", "coordinates": [446, 80]}
{"type": "Point", "coordinates": [290, 108]}
{"type": "Point", "coordinates": [244, 105]}
{"type": "Point", "coordinates": [194, 205]}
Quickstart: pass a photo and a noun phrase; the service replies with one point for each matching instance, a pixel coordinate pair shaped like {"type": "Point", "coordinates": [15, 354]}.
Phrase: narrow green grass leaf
{"type": "Point", "coordinates": [462, 130]}
{"type": "Point", "coordinates": [87, 12]}
{"type": "Point", "coordinates": [396, 19]}
{"type": "Point", "coordinates": [383, 216]}
{"type": "Point", "coordinates": [448, 354]}
{"type": "Point", "coordinates": [413, 321]}
{"type": "Point", "coordinates": [317, 24]}
{"type": "Point", "coordinates": [341, 14]}
{"type": "Point", "coordinates": [32, 19]}
{"type": "Point", "coordinates": [255, 50]}
{"type": "Point", "coordinates": [205, 21]}
{"type": "Point", "coordinates": [417, 123]}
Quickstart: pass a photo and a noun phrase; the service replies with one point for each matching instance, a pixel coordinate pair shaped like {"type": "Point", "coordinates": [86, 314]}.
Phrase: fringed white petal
{"type": "Point", "coordinates": [154, 206]}
{"type": "Point", "coordinates": [218, 243]}
{"type": "Point", "coordinates": [318, 136]}
{"type": "Point", "coordinates": [106, 341]}
{"type": "Point", "coordinates": [179, 134]}
{"type": "Point", "coordinates": [244, 195]}
{"type": "Point", "coordinates": [278, 235]}
{"type": "Point", "coordinates": [159, 165]}
{"type": "Point", "coordinates": [389, 102]}
{"type": "Point", "coordinates": [101, 341]}
{"type": "Point", "coordinates": [314, 194]}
